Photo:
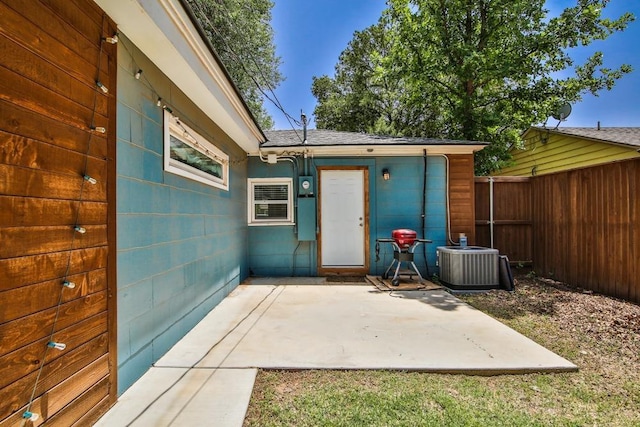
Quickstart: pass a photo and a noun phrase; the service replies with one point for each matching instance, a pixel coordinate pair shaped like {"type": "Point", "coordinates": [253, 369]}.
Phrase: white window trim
{"type": "Point", "coordinates": [174, 127]}
{"type": "Point", "coordinates": [251, 205]}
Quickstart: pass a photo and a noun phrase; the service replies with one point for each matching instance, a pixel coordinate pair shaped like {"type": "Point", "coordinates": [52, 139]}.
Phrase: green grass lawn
{"type": "Point", "coordinates": [586, 329]}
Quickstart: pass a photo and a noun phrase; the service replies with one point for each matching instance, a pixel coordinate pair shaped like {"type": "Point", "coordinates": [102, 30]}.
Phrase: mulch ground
{"type": "Point", "coordinates": [600, 322]}
{"type": "Point", "coordinates": [600, 334]}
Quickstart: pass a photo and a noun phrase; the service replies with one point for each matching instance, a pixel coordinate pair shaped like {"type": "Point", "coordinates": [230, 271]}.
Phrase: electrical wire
{"type": "Point", "coordinates": [84, 181]}
{"type": "Point", "coordinates": [233, 55]}
{"type": "Point", "coordinates": [144, 80]}
{"type": "Point", "coordinates": [229, 20]}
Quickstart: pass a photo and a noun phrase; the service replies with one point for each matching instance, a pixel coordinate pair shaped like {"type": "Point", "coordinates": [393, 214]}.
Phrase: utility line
{"type": "Point", "coordinates": [165, 105]}
{"type": "Point", "coordinates": [236, 58]}
{"type": "Point", "coordinates": [229, 20]}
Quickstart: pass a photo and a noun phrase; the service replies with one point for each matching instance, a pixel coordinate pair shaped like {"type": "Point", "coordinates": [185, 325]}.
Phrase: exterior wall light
{"type": "Point", "coordinates": [386, 175]}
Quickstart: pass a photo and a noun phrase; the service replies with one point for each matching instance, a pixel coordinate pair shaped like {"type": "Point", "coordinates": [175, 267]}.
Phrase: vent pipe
{"type": "Point", "coordinates": [598, 124]}
{"type": "Point", "coordinates": [303, 117]}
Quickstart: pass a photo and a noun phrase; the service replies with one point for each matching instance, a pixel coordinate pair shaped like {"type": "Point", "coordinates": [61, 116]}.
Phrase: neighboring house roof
{"type": "Point", "coordinates": [618, 135]}
{"type": "Point", "coordinates": [553, 150]}
{"type": "Point", "coordinates": [335, 141]}
{"type": "Point", "coordinates": [169, 35]}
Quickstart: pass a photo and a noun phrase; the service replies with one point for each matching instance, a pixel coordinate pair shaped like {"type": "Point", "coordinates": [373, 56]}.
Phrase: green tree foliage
{"type": "Point", "coordinates": [369, 92]}
{"type": "Point", "coordinates": [241, 33]}
{"type": "Point", "coordinates": [479, 70]}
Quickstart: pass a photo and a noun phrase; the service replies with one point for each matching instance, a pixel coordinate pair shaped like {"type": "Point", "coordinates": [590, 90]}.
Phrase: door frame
{"type": "Point", "coordinates": [334, 271]}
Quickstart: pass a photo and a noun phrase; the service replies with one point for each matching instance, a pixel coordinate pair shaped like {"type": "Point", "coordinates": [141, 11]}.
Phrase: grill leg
{"type": "Point", "coordinates": [413, 265]}
{"type": "Point", "coordinates": [396, 281]}
{"type": "Point", "coordinates": [386, 273]}
{"type": "Point", "coordinates": [398, 257]}
{"type": "Point", "coordinates": [395, 276]}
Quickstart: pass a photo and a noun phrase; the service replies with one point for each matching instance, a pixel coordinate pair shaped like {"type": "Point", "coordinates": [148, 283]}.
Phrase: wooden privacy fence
{"type": "Point", "coordinates": [581, 227]}
{"type": "Point", "coordinates": [503, 216]}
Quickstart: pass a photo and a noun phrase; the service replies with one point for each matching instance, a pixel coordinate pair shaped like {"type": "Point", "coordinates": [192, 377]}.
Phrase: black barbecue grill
{"type": "Point", "coordinates": [404, 244]}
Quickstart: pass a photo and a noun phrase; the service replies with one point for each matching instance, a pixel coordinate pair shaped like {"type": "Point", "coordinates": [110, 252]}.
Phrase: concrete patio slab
{"type": "Point", "coordinates": [182, 397]}
{"type": "Point", "coordinates": [284, 281]}
{"type": "Point", "coordinates": [207, 335]}
{"type": "Point", "coordinates": [207, 377]}
{"type": "Point", "coordinates": [351, 327]}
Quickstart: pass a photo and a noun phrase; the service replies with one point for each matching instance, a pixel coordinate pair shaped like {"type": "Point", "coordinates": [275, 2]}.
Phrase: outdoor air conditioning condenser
{"type": "Point", "coordinates": [468, 268]}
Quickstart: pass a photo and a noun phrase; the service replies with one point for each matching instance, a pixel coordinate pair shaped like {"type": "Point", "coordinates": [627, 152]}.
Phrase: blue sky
{"type": "Point", "coordinates": [310, 35]}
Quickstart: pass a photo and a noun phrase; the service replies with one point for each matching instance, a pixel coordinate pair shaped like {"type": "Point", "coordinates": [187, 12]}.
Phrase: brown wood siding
{"type": "Point", "coordinates": [461, 197]}
{"type": "Point", "coordinates": [51, 54]}
{"type": "Point", "coordinates": [512, 225]}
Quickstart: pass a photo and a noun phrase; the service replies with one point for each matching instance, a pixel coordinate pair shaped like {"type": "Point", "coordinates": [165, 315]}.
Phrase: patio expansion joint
{"type": "Point", "coordinates": [198, 363]}
{"type": "Point", "coordinates": [192, 369]}
{"type": "Point", "coordinates": [307, 327]}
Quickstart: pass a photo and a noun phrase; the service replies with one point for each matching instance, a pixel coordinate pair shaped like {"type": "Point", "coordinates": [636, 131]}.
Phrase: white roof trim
{"type": "Point", "coordinates": [372, 150]}
{"type": "Point", "coordinates": [162, 30]}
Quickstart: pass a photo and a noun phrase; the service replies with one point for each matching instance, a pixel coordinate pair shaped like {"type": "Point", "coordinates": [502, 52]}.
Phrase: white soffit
{"type": "Point", "coordinates": [162, 30]}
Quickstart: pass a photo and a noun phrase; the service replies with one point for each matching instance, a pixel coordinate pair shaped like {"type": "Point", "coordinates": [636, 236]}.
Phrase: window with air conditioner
{"type": "Point", "coordinates": [270, 201]}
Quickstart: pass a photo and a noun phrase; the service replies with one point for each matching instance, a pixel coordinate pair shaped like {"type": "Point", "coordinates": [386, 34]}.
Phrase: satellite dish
{"type": "Point", "coordinates": [562, 112]}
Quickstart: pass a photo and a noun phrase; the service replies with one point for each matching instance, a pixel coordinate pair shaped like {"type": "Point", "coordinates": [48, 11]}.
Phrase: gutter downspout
{"type": "Point", "coordinates": [446, 183]}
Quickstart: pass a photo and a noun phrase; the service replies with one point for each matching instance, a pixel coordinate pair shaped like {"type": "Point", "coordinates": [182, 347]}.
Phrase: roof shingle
{"type": "Point", "coordinates": [323, 137]}
{"type": "Point", "coordinates": [618, 135]}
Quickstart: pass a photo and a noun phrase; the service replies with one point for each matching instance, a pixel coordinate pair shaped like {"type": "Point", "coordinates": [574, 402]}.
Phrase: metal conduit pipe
{"type": "Point", "coordinates": [491, 209]}
{"type": "Point", "coordinates": [446, 183]}
{"type": "Point", "coordinates": [424, 210]}
{"type": "Point", "coordinates": [294, 163]}
{"type": "Point", "coordinates": [292, 159]}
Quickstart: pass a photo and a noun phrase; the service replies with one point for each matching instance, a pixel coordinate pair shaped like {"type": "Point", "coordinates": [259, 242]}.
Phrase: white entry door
{"type": "Point", "coordinates": [342, 218]}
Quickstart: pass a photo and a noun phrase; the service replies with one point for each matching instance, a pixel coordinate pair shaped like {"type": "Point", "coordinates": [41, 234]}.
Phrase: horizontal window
{"type": "Point", "coordinates": [270, 201]}
{"type": "Point", "coordinates": [189, 154]}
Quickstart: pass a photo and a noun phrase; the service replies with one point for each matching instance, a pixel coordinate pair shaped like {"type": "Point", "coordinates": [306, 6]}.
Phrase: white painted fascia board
{"type": "Point", "coordinates": [372, 150]}
{"type": "Point", "coordinates": [162, 30]}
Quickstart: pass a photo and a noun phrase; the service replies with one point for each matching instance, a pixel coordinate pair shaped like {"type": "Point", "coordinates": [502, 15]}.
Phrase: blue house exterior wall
{"type": "Point", "coordinates": [397, 203]}
{"type": "Point", "coordinates": [273, 248]}
{"type": "Point", "coordinates": [181, 245]}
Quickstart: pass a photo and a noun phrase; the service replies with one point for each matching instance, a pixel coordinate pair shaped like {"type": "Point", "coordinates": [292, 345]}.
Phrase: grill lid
{"type": "Point", "coordinates": [404, 237]}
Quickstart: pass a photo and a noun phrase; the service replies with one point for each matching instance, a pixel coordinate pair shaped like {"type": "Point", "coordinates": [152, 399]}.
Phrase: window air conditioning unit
{"type": "Point", "coordinates": [468, 268]}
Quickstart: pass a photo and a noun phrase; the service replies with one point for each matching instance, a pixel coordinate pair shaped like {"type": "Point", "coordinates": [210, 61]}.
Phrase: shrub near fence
{"type": "Point", "coordinates": [584, 225]}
